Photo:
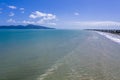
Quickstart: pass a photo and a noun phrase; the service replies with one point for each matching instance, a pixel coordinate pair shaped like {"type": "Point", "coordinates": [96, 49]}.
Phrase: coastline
{"type": "Point", "coordinates": [113, 31]}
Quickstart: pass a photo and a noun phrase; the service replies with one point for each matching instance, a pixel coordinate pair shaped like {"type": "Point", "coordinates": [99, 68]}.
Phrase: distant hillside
{"type": "Point", "coordinates": [25, 27]}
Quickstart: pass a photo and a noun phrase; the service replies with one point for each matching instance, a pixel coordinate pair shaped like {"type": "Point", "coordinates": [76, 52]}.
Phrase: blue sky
{"type": "Point", "coordinates": [70, 14]}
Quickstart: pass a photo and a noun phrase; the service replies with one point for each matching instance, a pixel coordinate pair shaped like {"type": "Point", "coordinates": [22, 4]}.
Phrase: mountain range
{"type": "Point", "coordinates": [30, 26]}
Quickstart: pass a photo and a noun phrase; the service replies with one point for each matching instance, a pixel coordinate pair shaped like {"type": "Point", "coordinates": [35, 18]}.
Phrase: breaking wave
{"type": "Point", "coordinates": [113, 37]}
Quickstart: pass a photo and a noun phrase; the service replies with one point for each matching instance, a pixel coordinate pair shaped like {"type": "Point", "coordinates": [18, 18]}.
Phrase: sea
{"type": "Point", "coordinates": [54, 54]}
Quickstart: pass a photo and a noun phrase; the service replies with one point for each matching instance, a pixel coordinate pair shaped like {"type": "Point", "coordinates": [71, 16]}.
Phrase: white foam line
{"type": "Point", "coordinates": [55, 66]}
{"type": "Point", "coordinates": [109, 36]}
{"type": "Point", "coordinates": [49, 71]}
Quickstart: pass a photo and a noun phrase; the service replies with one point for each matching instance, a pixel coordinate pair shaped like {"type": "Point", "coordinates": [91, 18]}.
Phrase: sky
{"type": "Point", "coordinates": [62, 14]}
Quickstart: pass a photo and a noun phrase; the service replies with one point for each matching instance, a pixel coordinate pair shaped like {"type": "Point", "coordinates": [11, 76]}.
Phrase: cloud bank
{"type": "Point", "coordinates": [44, 16]}
{"type": "Point", "coordinates": [90, 25]}
{"type": "Point", "coordinates": [41, 18]}
{"type": "Point", "coordinates": [97, 23]}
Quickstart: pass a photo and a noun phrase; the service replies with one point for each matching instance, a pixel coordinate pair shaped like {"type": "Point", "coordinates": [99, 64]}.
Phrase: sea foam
{"type": "Point", "coordinates": [113, 37]}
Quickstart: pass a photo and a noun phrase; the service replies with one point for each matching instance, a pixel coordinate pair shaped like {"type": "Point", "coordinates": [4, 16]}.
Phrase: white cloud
{"type": "Point", "coordinates": [46, 23]}
{"type": "Point", "coordinates": [37, 14]}
{"type": "Point", "coordinates": [54, 24]}
{"type": "Point", "coordinates": [43, 18]}
{"type": "Point", "coordinates": [38, 23]}
{"type": "Point", "coordinates": [22, 10]}
{"type": "Point", "coordinates": [12, 7]}
{"type": "Point", "coordinates": [28, 22]}
{"type": "Point", "coordinates": [11, 21]}
{"type": "Point", "coordinates": [97, 23]}
{"type": "Point", "coordinates": [89, 24]}
{"type": "Point", "coordinates": [49, 17]}
{"type": "Point", "coordinates": [11, 14]}
{"type": "Point", "coordinates": [76, 13]}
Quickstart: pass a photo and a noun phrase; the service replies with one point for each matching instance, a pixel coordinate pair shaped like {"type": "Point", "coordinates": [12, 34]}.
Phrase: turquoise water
{"type": "Point", "coordinates": [25, 54]}
{"type": "Point", "coordinates": [58, 55]}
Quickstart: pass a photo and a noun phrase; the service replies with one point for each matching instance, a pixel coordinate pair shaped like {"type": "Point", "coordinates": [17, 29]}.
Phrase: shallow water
{"type": "Point", "coordinates": [57, 55]}
{"type": "Point", "coordinates": [26, 54]}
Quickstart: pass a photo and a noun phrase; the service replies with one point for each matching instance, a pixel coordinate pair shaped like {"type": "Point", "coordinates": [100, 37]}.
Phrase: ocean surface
{"type": "Point", "coordinates": [59, 55]}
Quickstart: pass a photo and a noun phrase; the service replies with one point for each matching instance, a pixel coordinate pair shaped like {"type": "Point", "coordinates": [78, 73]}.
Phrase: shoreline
{"type": "Point", "coordinates": [113, 31]}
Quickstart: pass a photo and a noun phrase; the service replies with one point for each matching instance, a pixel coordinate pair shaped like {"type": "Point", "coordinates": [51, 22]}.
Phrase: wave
{"type": "Point", "coordinates": [113, 37]}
